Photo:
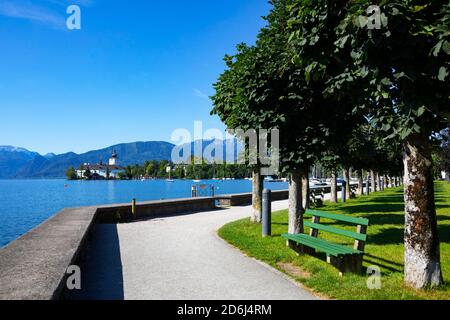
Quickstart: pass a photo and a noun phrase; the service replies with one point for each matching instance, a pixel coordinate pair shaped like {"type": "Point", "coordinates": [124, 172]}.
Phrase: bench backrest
{"type": "Point", "coordinates": [360, 235]}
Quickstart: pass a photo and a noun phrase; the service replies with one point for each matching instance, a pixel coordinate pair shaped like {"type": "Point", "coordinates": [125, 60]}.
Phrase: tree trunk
{"type": "Point", "coordinates": [348, 190]}
{"type": "Point", "coordinates": [334, 197]}
{"type": "Point", "coordinates": [360, 183]}
{"type": "Point", "coordinates": [305, 190]}
{"type": "Point", "coordinates": [379, 182]}
{"type": "Point", "coordinates": [295, 203]}
{"type": "Point", "coordinates": [422, 252]}
{"type": "Point", "coordinates": [373, 182]}
{"type": "Point", "coordinates": [257, 189]}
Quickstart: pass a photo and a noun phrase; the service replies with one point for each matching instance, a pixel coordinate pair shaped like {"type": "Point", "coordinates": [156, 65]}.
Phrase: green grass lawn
{"type": "Point", "coordinates": [384, 248]}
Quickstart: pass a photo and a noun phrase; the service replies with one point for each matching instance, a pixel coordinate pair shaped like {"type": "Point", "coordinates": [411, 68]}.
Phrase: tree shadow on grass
{"type": "Point", "coordinates": [396, 236]}
{"type": "Point", "coordinates": [372, 260]}
{"type": "Point", "coordinates": [370, 208]}
{"type": "Point", "coordinates": [280, 224]}
{"type": "Point", "coordinates": [383, 263]}
{"type": "Point", "coordinates": [278, 234]}
{"type": "Point", "coordinates": [394, 219]}
{"type": "Point", "coordinates": [384, 219]}
{"type": "Point", "coordinates": [387, 236]}
{"type": "Point", "coordinates": [387, 198]}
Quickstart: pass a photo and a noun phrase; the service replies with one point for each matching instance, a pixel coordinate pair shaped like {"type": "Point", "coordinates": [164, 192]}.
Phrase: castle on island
{"type": "Point", "coordinates": [101, 171]}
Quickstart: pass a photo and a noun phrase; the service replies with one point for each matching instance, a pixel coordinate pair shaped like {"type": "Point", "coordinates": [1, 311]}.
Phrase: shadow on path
{"type": "Point", "coordinates": [101, 267]}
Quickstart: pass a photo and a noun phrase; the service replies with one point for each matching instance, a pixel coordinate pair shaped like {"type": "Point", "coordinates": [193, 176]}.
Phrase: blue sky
{"type": "Point", "coordinates": [136, 71]}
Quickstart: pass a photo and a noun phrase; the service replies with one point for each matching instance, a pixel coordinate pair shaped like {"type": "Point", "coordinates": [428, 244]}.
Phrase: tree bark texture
{"type": "Point", "coordinates": [295, 203]}
{"type": "Point", "coordinates": [422, 248]}
{"type": "Point", "coordinates": [305, 190]}
{"type": "Point", "coordinates": [348, 190]}
{"type": "Point", "coordinates": [257, 189]}
{"type": "Point", "coordinates": [334, 197]}
{"type": "Point", "coordinates": [360, 183]}
{"type": "Point", "coordinates": [373, 181]}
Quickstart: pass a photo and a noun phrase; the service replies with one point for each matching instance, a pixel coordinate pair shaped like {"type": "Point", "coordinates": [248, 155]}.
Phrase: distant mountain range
{"type": "Point", "coordinates": [20, 163]}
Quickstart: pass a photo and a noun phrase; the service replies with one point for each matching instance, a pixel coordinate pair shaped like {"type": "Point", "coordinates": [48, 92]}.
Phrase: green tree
{"type": "Point", "coordinates": [151, 168]}
{"type": "Point", "coordinates": [162, 169]}
{"type": "Point", "coordinates": [316, 125]}
{"type": "Point", "coordinates": [179, 172]}
{"type": "Point", "coordinates": [122, 176]}
{"type": "Point", "coordinates": [71, 174]}
{"type": "Point", "coordinates": [129, 172]}
{"type": "Point", "coordinates": [399, 75]}
{"type": "Point", "coordinates": [232, 102]}
{"type": "Point", "coordinates": [87, 174]}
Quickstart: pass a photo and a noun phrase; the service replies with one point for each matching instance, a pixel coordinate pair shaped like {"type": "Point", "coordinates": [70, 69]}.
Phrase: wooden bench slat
{"type": "Point", "coordinates": [337, 217]}
{"type": "Point", "coordinates": [334, 246]}
{"type": "Point", "coordinates": [329, 248]}
{"type": "Point", "coordinates": [314, 244]}
{"type": "Point", "coordinates": [323, 246]}
{"type": "Point", "coordinates": [342, 232]}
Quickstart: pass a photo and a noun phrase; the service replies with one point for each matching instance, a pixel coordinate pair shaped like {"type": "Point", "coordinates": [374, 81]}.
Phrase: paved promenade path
{"type": "Point", "coordinates": [179, 258]}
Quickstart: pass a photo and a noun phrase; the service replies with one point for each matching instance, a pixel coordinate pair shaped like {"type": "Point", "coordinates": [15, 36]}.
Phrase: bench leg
{"type": "Point", "coordinates": [345, 264]}
{"type": "Point", "coordinates": [300, 249]}
{"type": "Point", "coordinates": [357, 264]}
{"type": "Point", "coordinates": [337, 263]}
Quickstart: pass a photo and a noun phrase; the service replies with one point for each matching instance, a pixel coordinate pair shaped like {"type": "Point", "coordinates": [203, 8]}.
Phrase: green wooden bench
{"type": "Point", "coordinates": [345, 258]}
{"type": "Point", "coordinates": [317, 196]}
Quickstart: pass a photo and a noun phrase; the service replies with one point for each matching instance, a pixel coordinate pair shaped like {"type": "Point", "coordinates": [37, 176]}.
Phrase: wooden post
{"type": "Point", "coordinates": [359, 245]}
{"type": "Point", "coordinates": [314, 232]}
{"type": "Point", "coordinates": [133, 208]}
{"type": "Point", "coordinates": [338, 263]}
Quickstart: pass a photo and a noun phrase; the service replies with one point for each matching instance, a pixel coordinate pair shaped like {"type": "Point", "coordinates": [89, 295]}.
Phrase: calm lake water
{"type": "Point", "coordinates": [25, 204]}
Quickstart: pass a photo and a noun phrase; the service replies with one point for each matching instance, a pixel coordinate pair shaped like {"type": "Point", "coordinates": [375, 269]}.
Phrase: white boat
{"type": "Point", "coordinates": [271, 179]}
{"type": "Point", "coordinates": [169, 170]}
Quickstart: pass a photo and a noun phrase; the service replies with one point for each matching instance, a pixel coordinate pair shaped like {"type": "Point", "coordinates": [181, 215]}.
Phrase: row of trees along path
{"type": "Point", "coordinates": [350, 96]}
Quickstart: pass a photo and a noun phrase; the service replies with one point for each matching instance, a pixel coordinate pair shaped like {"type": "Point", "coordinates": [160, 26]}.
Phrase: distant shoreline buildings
{"type": "Point", "coordinates": [101, 171]}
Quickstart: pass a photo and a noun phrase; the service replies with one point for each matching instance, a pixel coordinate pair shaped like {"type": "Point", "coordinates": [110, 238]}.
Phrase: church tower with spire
{"type": "Point", "coordinates": [113, 161]}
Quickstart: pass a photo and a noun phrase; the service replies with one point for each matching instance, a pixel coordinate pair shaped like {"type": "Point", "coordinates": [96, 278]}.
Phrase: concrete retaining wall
{"type": "Point", "coordinates": [245, 199]}
{"type": "Point", "coordinates": [34, 266]}
{"type": "Point", "coordinates": [152, 209]}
